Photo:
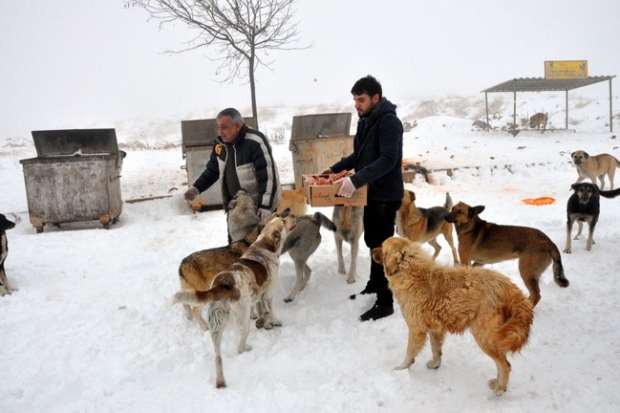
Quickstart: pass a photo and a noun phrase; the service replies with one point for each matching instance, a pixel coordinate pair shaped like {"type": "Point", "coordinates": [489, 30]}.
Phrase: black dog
{"type": "Point", "coordinates": [584, 205]}
{"type": "Point", "coordinates": [4, 225]}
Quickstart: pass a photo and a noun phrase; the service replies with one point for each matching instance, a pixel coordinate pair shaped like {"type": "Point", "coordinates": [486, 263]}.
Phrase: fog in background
{"type": "Point", "coordinates": [73, 63]}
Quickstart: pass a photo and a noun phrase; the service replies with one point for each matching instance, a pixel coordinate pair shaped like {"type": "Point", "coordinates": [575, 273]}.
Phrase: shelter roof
{"type": "Point", "coordinates": [539, 84]}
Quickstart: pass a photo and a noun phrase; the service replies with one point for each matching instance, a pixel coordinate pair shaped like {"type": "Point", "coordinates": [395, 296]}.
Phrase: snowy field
{"type": "Point", "coordinates": [90, 329]}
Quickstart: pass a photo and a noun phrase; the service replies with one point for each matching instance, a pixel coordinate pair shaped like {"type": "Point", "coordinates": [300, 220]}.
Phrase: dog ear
{"type": "Point", "coordinates": [473, 211]}
{"type": "Point", "coordinates": [377, 255]}
{"type": "Point", "coordinates": [392, 263]}
{"type": "Point", "coordinates": [573, 187]}
{"type": "Point", "coordinates": [585, 154]}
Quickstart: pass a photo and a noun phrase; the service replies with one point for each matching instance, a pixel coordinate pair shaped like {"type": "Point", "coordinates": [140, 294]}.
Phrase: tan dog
{"type": "Point", "coordinates": [294, 200]}
{"type": "Point", "coordinates": [591, 167]}
{"type": "Point", "coordinates": [198, 269]}
{"type": "Point", "coordinates": [425, 224]}
{"type": "Point", "coordinates": [349, 221]}
{"type": "Point", "coordinates": [436, 300]}
{"type": "Point", "coordinates": [486, 243]}
{"type": "Point", "coordinates": [538, 120]}
{"type": "Point", "coordinates": [248, 282]}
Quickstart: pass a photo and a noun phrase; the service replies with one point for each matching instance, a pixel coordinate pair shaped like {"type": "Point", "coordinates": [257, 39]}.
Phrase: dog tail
{"type": "Point", "coordinates": [515, 331]}
{"type": "Point", "coordinates": [448, 204]}
{"type": "Point", "coordinates": [323, 221]}
{"type": "Point", "coordinates": [558, 269]}
{"type": "Point", "coordinates": [193, 298]}
{"type": "Point", "coordinates": [610, 194]}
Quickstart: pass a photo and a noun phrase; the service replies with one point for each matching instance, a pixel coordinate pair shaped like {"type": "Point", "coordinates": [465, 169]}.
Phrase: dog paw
{"type": "Point", "coordinates": [433, 364]}
{"type": "Point", "coordinates": [350, 280]}
{"type": "Point", "coordinates": [496, 387]}
{"type": "Point", "coordinates": [405, 365]}
{"type": "Point", "coordinates": [567, 250]}
{"type": "Point", "coordinates": [288, 299]}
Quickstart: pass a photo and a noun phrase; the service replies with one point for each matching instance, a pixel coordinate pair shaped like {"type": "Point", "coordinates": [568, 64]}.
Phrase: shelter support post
{"type": "Point", "coordinates": [514, 106]}
{"type": "Point", "coordinates": [611, 113]}
{"type": "Point", "coordinates": [486, 103]}
{"type": "Point", "coordinates": [566, 94]}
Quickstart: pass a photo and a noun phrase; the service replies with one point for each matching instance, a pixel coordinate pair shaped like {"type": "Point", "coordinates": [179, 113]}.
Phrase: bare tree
{"type": "Point", "coordinates": [239, 29]}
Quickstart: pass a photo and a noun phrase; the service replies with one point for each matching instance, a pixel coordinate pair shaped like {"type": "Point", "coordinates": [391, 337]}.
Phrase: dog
{"type": "Point", "coordinates": [584, 206]}
{"type": "Point", "coordinates": [418, 169]}
{"type": "Point", "coordinates": [301, 243]}
{"type": "Point", "coordinates": [349, 221]}
{"type": "Point", "coordinates": [591, 167]}
{"type": "Point", "coordinates": [235, 291]}
{"type": "Point", "coordinates": [425, 224]}
{"type": "Point", "coordinates": [5, 224]}
{"type": "Point", "coordinates": [486, 243]}
{"type": "Point", "coordinates": [295, 201]}
{"type": "Point", "coordinates": [538, 120]}
{"type": "Point", "coordinates": [197, 270]}
{"type": "Point", "coordinates": [241, 215]}
{"type": "Point", "coordinates": [436, 300]}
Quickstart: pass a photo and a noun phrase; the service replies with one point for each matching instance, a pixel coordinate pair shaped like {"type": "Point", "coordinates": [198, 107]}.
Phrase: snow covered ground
{"type": "Point", "coordinates": [90, 329]}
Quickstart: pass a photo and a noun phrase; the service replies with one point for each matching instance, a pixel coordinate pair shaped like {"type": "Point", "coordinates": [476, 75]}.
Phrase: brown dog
{"type": "Point", "coordinates": [591, 167]}
{"type": "Point", "coordinates": [198, 269]}
{"type": "Point", "coordinates": [486, 243]}
{"type": "Point", "coordinates": [236, 290]}
{"type": "Point", "coordinates": [425, 224]}
{"type": "Point", "coordinates": [538, 120]}
{"type": "Point", "coordinates": [436, 300]}
{"type": "Point", "coordinates": [294, 200]}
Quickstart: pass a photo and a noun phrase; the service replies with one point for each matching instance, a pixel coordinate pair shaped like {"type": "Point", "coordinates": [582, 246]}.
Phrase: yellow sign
{"type": "Point", "coordinates": [566, 69]}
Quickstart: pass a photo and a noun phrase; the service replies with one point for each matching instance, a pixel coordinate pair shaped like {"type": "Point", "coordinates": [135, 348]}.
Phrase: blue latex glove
{"type": "Point", "coordinates": [347, 188]}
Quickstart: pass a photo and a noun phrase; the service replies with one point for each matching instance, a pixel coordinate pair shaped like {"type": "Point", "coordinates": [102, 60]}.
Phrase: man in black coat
{"type": "Point", "coordinates": [377, 160]}
{"type": "Point", "coordinates": [242, 157]}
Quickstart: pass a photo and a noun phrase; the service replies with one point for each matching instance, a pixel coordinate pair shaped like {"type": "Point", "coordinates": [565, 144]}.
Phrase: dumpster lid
{"type": "Point", "coordinates": [70, 141]}
{"type": "Point", "coordinates": [202, 132]}
{"type": "Point", "coordinates": [321, 126]}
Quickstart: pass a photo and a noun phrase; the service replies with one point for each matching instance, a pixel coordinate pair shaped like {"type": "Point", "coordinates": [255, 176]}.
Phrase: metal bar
{"type": "Point", "coordinates": [611, 115]}
{"type": "Point", "coordinates": [486, 103]}
{"type": "Point", "coordinates": [514, 105]}
{"type": "Point", "coordinates": [566, 126]}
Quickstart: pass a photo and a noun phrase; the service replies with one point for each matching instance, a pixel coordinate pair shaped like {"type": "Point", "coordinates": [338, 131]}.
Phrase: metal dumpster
{"type": "Point", "coordinates": [198, 137]}
{"type": "Point", "coordinates": [319, 141]}
{"type": "Point", "coordinates": [75, 177]}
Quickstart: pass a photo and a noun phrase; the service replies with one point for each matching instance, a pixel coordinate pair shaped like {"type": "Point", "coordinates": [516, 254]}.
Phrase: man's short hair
{"type": "Point", "coordinates": [368, 85]}
{"type": "Point", "coordinates": [233, 114]}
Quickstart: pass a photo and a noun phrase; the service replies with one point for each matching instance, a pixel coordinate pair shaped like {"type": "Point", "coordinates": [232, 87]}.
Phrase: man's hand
{"type": "Point", "coordinates": [326, 171]}
{"type": "Point", "coordinates": [263, 213]}
{"type": "Point", "coordinates": [347, 188]}
{"type": "Point", "coordinates": [191, 194]}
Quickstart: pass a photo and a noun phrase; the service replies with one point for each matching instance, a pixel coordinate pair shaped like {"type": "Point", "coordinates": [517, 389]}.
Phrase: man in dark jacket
{"type": "Point", "coordinates": [377, 160]}
{"type": "Point", "coordinates": [242, 157]}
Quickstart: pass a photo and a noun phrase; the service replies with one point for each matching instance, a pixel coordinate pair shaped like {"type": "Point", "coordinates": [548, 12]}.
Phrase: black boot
{"type": "Point", "coordinates": [376, 312]}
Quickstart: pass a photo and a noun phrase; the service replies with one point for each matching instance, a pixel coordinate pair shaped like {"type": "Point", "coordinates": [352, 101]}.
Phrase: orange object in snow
{"type": "Point", "coordinates": [544, 200]}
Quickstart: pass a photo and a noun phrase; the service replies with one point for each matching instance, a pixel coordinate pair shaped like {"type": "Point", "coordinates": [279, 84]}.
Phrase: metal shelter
{"type": "Point", "coordinates": [539, 84]}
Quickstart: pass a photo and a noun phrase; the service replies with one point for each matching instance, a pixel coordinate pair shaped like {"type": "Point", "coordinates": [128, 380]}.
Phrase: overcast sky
{"type": "Point", "coordinates": [71, 63]}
